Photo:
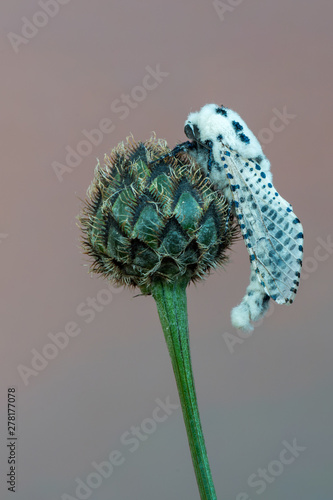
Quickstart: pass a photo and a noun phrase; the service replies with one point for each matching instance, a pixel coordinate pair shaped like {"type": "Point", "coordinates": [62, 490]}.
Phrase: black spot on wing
{"type": "Point", "coordinates": [244, 138]}
{"type": "Point", "coordinates": [221, 111]}
{"type": "Point", "coordinates": [237, 126]}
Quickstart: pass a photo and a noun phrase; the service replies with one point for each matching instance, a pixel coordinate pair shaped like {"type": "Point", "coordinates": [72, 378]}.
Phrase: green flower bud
{"type": "Point", "coordinates": [151, 216]}
{"type": "Point", "coordinates": [153, 220]}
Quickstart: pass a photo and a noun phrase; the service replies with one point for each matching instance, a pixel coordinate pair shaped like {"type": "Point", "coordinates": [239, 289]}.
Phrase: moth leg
{"type": "Point", "coordinates": [183, 147]}
{"type": "Point", "coordinates": [253, 306]}
{"type": "Point", "coordinates": [180, 148]}
{"type": "Point", "coordinates": [230, 213]}
{"type": "Point", "coordinates": [211, 161]}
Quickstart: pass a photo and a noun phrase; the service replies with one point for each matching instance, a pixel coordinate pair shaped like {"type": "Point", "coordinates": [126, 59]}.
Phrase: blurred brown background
{"type": "Point", "coordinates": [63, 78]}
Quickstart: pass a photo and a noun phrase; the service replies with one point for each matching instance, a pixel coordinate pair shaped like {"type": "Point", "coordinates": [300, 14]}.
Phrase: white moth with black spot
{"type": "Point", "coordinates": [232, 158]}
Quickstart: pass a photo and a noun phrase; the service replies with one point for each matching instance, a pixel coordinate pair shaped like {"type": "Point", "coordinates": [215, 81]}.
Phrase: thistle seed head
{"type": "Point", "coordinates": [150, 215]}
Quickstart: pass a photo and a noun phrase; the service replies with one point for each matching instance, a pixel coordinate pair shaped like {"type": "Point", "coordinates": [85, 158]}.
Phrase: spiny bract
{"type": "Point", "coordinates": [150, 216]}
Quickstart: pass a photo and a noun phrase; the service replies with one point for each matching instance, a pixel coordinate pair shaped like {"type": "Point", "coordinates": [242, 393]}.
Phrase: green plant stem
{"type": "Point", "coordinates": [172, 309]}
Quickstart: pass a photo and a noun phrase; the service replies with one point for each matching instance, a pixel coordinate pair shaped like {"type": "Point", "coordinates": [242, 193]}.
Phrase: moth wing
{"type": "Point", "coordinates": [272, 233]}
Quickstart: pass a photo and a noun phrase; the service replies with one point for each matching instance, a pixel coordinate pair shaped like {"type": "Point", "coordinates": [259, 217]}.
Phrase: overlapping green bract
{"type": "Point", "coordinates": [148, 218]}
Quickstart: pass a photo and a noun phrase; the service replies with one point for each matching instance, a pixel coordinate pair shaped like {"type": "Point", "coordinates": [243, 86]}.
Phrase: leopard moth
{"type": "Point", "coordinates": [232, 158]}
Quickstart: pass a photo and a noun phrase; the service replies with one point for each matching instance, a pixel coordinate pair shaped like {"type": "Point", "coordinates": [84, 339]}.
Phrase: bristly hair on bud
{"type": "Point", "coordinates": [151, 215]}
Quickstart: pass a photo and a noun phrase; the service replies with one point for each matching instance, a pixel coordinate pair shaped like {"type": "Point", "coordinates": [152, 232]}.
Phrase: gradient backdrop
{"type": "Point", "coordinates": [255, 394]}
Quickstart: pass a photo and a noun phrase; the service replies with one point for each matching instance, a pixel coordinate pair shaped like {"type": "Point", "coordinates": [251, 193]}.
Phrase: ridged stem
{"type": "Point", "coordinates": [172, 309]}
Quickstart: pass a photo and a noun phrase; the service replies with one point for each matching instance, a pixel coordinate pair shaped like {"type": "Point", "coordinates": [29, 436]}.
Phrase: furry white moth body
{"type": "Point", "coordinates": [232, 158]}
